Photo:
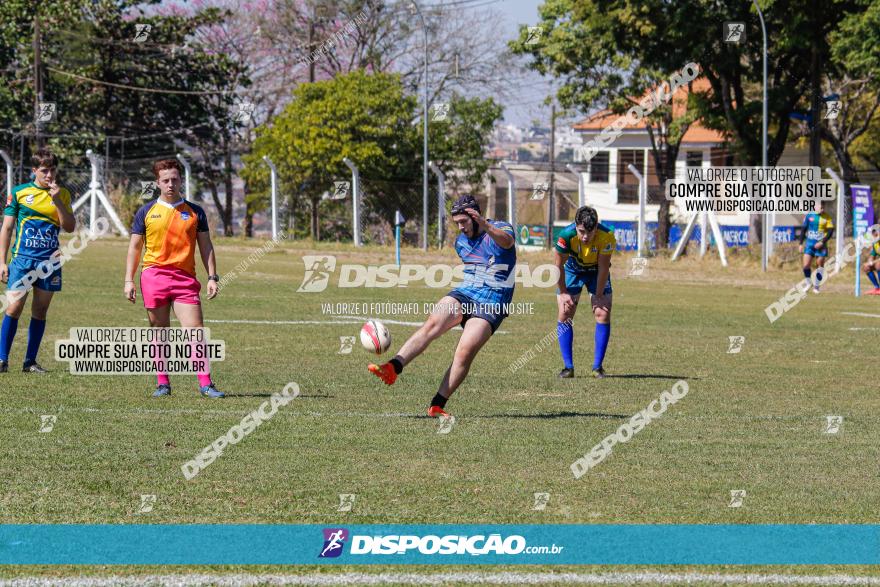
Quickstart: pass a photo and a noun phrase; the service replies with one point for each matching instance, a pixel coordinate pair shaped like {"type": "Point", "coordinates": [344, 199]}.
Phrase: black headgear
{"type": "Point", "coordinates": [466, 201]}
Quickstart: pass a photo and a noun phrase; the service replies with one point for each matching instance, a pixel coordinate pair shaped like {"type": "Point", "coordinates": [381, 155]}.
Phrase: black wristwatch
{"type": "Point", "coordinates": [213, 278]}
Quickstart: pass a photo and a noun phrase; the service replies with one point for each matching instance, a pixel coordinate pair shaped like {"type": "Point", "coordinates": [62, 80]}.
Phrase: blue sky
{"type": "Point", "coordinates": [532, 88]}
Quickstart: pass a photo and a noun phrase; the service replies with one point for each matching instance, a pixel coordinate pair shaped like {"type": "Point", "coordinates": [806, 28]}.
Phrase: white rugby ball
{"type": "Point", "coordinates": [375, 337]}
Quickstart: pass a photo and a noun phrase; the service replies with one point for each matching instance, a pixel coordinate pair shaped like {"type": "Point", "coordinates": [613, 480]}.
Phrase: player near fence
{"type": "Point", "coordinates": [817, 230]}
{"type": "Point", "coordinates": [486, 247]}
{"type": "Point", "coordinates": [170, 227]}
{"type": "Point", "coordinates": [35, 213]}
{"type": "Point", "coordinates": [583, 255]}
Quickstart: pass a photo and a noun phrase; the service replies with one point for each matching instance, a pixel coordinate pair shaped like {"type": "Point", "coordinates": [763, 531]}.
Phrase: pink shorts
{"type": "Point", "coordinates": [161, 286]}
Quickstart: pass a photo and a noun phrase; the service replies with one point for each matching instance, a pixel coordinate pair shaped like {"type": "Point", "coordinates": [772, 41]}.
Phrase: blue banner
{"type": "Point", "coordinates": [863, 209]}
{"type": "Point", "coordinates": [440, 544]}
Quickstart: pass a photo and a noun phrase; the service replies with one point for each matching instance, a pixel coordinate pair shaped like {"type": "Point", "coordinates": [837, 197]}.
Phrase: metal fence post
{"type": "Point", "coordinates": [643, 200]}
{"type": "Point", "coordinates": [186, 171]}
{"type": "Point", "coordinates": [356, 200]}
{"type": "Point", "coordinates": [511, 196]}
{"type": "Point", "coordinates": [273, 178]}
{"type": "Point", "coordinates": [441, 203]}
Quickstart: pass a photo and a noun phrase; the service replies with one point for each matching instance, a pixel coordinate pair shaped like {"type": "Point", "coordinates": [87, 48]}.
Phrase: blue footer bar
{"type": "Point", "coordinates": [440, 544]}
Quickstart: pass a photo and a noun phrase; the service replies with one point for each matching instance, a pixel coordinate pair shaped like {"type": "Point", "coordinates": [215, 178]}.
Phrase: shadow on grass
{"type": "Point", "coordinates": [300, 396]}
{"type": "Point", "coordinates": [555, 415]}
{"type": "Point", "coordinates": [643, 376]}
{"type": "Point", "coordinates": [549, 416]}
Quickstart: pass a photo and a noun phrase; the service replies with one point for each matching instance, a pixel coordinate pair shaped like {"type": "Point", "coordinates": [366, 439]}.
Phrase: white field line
{"type": "Point", "coordinates": [433, 578]}
{"type": "Point", "coordinates": [861, 314]}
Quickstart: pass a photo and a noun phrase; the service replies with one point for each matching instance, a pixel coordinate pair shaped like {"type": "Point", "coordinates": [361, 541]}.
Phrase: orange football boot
{"type": "Point", "coordinates": [384, 372]}
{"type": "Point", "coordinates": [437, 412]}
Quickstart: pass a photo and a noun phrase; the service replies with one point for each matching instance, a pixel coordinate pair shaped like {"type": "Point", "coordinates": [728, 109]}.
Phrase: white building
{"type": "Point", "coordinates": [613, 190]}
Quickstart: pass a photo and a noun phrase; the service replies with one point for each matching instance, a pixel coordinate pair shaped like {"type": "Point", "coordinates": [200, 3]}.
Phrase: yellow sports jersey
{"type": "Point", "coordinates": [586, 256]}
{"type": "Point", "coordinates": [170, 233]}
{"type": "Point", "coordinates": [36, 220]}
{"type": "Point", "coordinates": [875, 250]}
{"type": "Point", "coordinates": [817, 226]}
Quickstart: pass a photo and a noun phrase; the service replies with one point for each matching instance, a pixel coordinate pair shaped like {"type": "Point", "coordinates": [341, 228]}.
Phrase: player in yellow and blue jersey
{"type": "Point", "coordinates": [486, 248]}
{"type": "Point", "coordinates": [817, 231]}
{"type": "Point", "coordinates": [872, 265]}
{"type": "Point", "coordinates": [583, 256]}
{"type": "Point", "coordinates": [35, 213]}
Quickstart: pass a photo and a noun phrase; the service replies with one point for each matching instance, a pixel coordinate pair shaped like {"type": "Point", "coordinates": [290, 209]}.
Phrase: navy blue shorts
{"type": "Point", "coordinates": [575, 281]}
{"type": "Point", "coordinates": [19, 267]}
{"type": "Point", "coordinates": [491, 313]}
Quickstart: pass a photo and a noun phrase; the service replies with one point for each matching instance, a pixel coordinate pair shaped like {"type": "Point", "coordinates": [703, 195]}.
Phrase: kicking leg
{"type": "Point", "coordinates": [476, 332]}
{"type": "Point", "coordinates": [446, 315]}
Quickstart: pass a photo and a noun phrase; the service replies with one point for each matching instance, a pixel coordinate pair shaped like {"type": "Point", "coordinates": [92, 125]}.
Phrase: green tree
{"type": "Point", "coordinates": [606, 49]}
{"type": "Point", "coordinates": [363, 117]}
{"type": "Point", "coordinates": [854, 75]}
{"type": "Point", "coordinates": [370, 119]}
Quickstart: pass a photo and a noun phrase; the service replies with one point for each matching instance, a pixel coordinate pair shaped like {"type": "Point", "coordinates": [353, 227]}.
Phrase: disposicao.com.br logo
{"type": "Point", "coordinates": [476, 545]}
{"type": "Point", "coordinates": [319, 269]}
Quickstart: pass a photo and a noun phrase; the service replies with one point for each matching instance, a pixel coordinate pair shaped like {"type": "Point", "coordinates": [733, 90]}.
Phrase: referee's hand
{"type": "Point", "coordinates": [130, 291]}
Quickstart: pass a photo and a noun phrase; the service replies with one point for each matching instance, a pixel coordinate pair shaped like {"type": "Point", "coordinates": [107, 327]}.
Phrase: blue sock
{"type": "Point", "coordinates": [565, 330]}
{"type": "Point", "coordinates": [807, 272]}
{"type": "Point", "coordinates": [603, 333]}
{"type": "Point", "coordinates": [7, 334]}
{"type": "Point", "coordinates": [35, 336]}
{"type": "Point", "coordinates": [872, 275]}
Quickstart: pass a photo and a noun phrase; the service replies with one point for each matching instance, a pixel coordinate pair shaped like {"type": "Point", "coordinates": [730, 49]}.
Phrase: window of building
{"type": "Point", "coordinates": [599, 167]}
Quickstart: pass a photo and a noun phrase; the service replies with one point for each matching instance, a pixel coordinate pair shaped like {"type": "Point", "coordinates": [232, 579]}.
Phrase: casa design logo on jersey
{"type": "Point", "coordinates": [334, 542]}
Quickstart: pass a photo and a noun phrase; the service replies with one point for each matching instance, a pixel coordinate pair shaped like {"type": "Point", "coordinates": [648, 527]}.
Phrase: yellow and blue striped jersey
{"type": "Point", "coordinates": [36, 220]}
{"type": "Point", "coordinates": [585, 256]}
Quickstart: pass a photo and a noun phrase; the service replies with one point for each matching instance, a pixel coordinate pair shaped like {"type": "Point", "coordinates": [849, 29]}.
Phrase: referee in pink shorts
{"type": "Point", "coordinates": [170, 227]}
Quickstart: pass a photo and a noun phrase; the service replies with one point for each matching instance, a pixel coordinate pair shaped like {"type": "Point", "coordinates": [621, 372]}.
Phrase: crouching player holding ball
{"type": "Point", "coordinates": [486, 248]}
{"type": "Point", "coordinates": [583, 256]}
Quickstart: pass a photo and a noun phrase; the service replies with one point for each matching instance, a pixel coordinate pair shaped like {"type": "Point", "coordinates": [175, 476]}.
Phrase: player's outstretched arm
{"type": "Point", "coordinates": [206, 250]}
{"type": "Point", "coordinates": [135, 246]}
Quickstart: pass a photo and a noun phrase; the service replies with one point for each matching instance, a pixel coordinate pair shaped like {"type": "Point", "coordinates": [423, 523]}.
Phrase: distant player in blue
{"type": "Point", "coordinates": [817, 231]}
{"type": "Point", "coordinates": [486, 247]}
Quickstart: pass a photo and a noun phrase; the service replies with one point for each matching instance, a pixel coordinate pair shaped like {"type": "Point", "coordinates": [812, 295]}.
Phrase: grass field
{"type": "Point", "coordinates": [752, 421]}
